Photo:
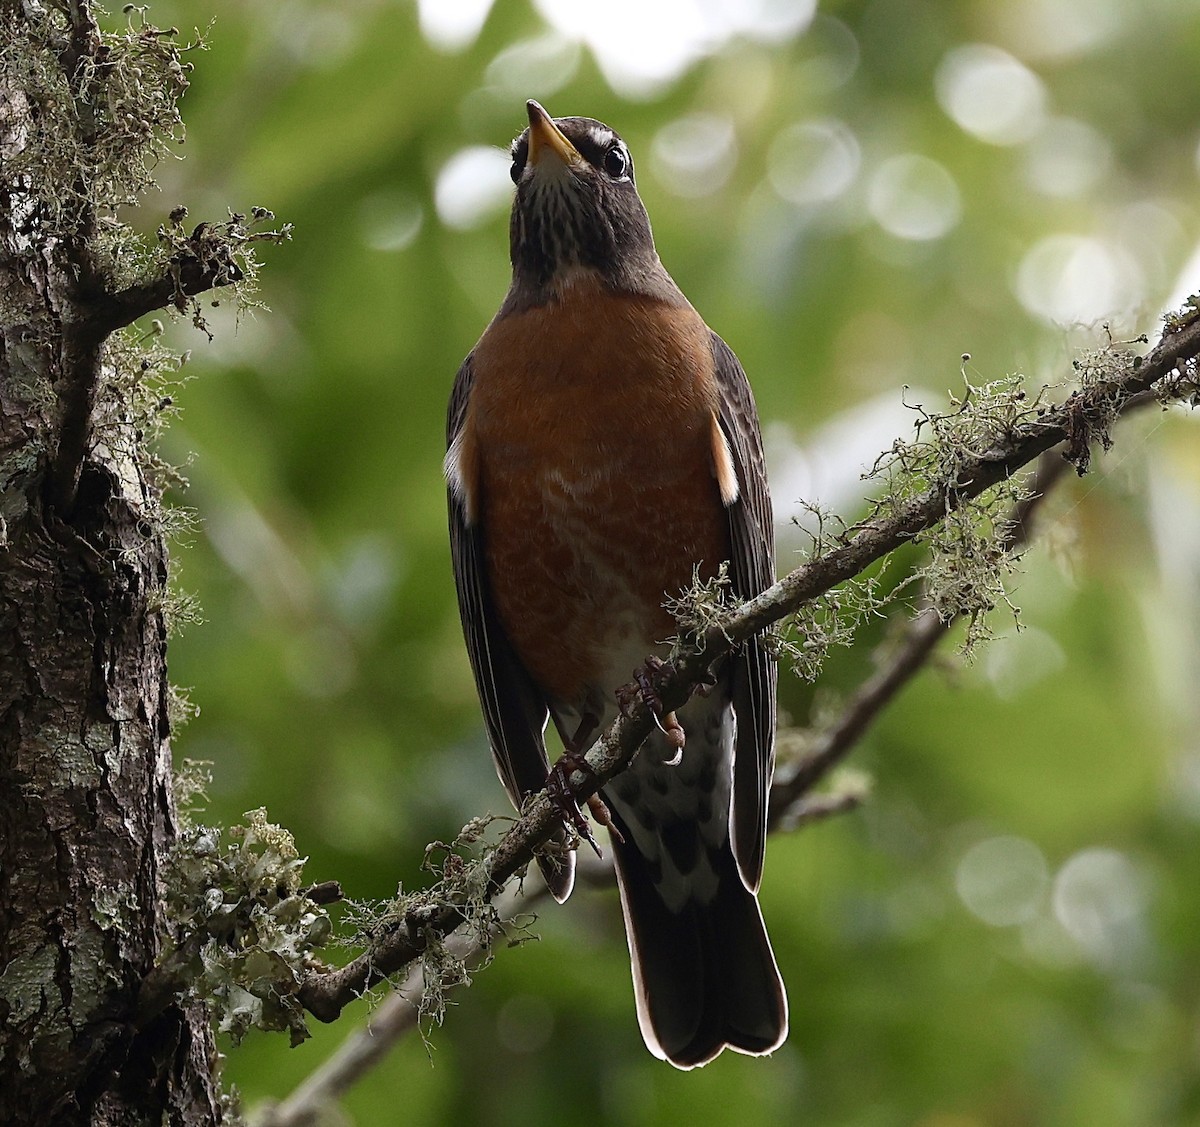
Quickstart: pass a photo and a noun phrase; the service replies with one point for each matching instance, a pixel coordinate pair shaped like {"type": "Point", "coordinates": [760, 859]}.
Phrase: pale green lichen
{"type": "Point", "coordinates": [460, 868]}
{"type": "Point", "coordinates": [92, 974]}
{"type": "Point", "coordinates": [137, 399]}
{"type": "Point", "coordinates": [700, 607]}
{"type": "Point", "coordinates": [101, 129]}
{"type": "Point", "coordinates": [23, 982]}
{"type": "Point", "coordinates": [181, 710]}
{"type": "Point", "coordinates": [192, 778]}
{"type": "Point", "coordinates": [225, 251]}
{"type": "Point", "coordinates": [1183, 316]}
{"type": "Point", "coordinates": [114, 910]}
{"type": "Point", "coordinates": [243, 932]}
{"type": "Point", "coordinates": [1097, 370]}
{"type": "Point", "coordinates": [75, 759]}
{"type": "Point", "coordinates": [829, 621]}
{"type": "Point", "coordinates": [178, 608]}
{"type": "Point", "coordinates": [968, 567]}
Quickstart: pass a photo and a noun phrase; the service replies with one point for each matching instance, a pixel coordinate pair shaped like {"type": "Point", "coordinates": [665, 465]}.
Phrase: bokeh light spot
{"type": "Point", "coordinates": [642, 48]}
{"type": "Point", "coordinates": [1019, 659]}
{"type": "Point", "coordinates": [1002, 880]}
{"type": "Point", "coordinates": [694, 155]}
{"type": "Point", "coordinates": [540, 66]}
{"type": "Point", "coordinates": [390, 221]}
{"type": "Point", "coordinates": [472, 186]}
{"type": "Point", "coordinates": [1066, 158]}
{"type": "Point", "coordinates": [990, 94]}
{"type": "Point", "coordinates": [915, 198]}
{"type": "Point", "coordinates": [1059, 29]}
{"type": "Point", "coordinates": [1099, 898]}
{"type": "Point", "coordinates": [813, 162]}
{"type": "Point", "coordinates": [1076, 279]}
{"type": "Point", "coordinates": [452, 25]}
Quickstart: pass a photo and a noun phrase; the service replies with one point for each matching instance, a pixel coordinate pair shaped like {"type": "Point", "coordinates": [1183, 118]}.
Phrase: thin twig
{"type": "Point", "coordinates": [818, 807]}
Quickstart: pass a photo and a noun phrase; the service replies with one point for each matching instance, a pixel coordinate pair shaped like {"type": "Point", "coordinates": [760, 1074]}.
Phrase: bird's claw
{"type": "Point", "coordinates": [644, 687]}
{"type": "Point", "coordinates": [562, 798]}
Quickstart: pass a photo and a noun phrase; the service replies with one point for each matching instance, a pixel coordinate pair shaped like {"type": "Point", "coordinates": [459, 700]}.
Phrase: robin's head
{"type": "Point", "coordinates": [577, 210]}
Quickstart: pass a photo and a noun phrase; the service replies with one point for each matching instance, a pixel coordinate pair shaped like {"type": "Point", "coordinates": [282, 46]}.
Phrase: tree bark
{"type": "Point", "coordinates": [86, 811]}
{"type": "Point", "coordinates": [85, 808]}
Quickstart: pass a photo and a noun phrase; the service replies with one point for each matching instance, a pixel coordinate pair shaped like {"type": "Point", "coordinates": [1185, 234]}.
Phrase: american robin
{"type": "Point", "coordinates": [603, 450]}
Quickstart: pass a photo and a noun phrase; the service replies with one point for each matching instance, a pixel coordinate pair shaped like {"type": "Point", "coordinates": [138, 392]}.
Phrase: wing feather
{"type": "Point", "coordinates": [514, 710]}
{"type": "Point", "coordinates": [752, 537]}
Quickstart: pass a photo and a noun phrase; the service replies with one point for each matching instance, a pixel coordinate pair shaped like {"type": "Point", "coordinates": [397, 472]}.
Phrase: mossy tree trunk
{"type": "Point", "coordinates": [85, 798]}
{"type": "Point", "coordinates": [86, 809]}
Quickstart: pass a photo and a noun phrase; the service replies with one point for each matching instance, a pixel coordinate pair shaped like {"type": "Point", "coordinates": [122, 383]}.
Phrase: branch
{"type": "Point", "coordinates": [204, 260]}
{"type": "Point", "coordinates": [400, 1012]}
{"type": "Point", "coordinates": [791, 808]}
{"type": "Point", "coordinates": [818, 807]}
{"type": "Point", "coordinates": [79, 355]}
{"type": "Point", "coordinates": [212, 256]}
{"type": "Point", "coordinates": [1085, 416]}
{"type": "Point", "coordinates": [896, 665]}
{"type": "Point", "coordinates": [79, 385]}
{"type": "Point", "coordinates": [897, 662]}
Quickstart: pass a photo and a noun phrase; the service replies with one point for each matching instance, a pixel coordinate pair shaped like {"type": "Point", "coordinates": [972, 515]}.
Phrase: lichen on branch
{"type": "Point", "coordinates": [243, 930]}
{"type": "Point", "coordinates": [85, 114]}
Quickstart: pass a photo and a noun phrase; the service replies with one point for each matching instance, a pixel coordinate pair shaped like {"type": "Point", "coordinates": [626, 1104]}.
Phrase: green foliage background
{"type": "Point", "coordinates": [1052, 786]}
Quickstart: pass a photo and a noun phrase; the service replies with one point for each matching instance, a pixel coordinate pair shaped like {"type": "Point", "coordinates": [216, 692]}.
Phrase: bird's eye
{"type": "Point", "coordinates": [515, 172]}
{"type": "Point", "coordinates": [616, 162]}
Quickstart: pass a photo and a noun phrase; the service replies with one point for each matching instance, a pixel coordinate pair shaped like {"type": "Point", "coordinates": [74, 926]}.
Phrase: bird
{"type": "Point", "coordinates": [604, 454]}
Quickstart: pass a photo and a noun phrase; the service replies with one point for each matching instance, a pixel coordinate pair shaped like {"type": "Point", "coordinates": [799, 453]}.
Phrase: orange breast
{"type": "Point", "coordinates": [591, 423]}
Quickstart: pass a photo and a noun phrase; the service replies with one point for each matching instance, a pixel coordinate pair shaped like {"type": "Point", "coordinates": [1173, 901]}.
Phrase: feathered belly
{"type": "Point", "coordinates": [591, 435]}
{"type": "Point", "coordinates": [586, 555]}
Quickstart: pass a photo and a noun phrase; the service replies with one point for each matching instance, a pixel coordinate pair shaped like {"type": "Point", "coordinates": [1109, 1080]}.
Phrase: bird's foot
{"type": "Point", "coordinates": [562, 798]}
{"type": "Point", "coordinates": [645, 687]}
{"type": "Point", "coordinates": [603, 816]}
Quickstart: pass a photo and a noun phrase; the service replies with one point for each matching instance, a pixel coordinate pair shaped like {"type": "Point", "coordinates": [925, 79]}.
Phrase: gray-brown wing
{"type": "Point", "coordinates": [514, 711]}
{"type": "Point", "coordinates": [752, 566]}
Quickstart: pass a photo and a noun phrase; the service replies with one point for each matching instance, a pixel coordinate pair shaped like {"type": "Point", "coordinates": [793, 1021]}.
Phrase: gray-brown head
{"type": "Point", "coordinates": [577, 211]}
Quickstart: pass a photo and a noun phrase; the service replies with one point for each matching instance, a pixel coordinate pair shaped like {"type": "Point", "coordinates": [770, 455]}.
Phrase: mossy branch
{"type": "Point", "coordinates": [1169, 371]}
{"type": "Point", "coordinates": [898, 661]}
{"type": "Point", "coordinates": [792, 805]}
{"type": "Point", "coordinates": [212, 256]}
{"type": "Point", "coordinates": [88, 114]}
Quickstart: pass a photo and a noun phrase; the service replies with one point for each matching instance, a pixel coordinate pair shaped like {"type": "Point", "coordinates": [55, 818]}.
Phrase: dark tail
{"type": "Point", "coordinates": [704, 976]}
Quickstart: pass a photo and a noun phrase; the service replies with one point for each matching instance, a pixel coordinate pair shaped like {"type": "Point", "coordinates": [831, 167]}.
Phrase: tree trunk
{"type": "Point", "coordinates": [86, 810]}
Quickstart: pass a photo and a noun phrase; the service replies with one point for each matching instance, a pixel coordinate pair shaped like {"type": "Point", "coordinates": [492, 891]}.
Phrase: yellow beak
{"type": "Point", "coordinates": [545, 136]}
